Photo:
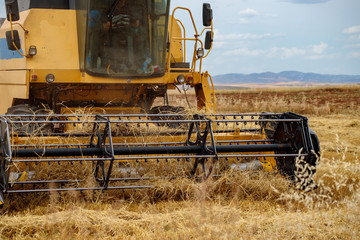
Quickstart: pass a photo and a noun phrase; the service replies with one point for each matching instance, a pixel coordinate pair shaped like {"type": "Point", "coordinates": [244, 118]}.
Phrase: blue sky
{"type": "Point", "coordinates": [321, 36]}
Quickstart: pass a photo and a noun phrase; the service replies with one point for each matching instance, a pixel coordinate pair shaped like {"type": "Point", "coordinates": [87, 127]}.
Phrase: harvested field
{"type": "Point", "coordinates": [243, 205]}
{"type": "Point", "coordinates": [315, 101]}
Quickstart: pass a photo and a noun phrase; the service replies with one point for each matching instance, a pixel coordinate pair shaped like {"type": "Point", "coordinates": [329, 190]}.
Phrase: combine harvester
{"type": "Point", "coordinates": [58, 57]}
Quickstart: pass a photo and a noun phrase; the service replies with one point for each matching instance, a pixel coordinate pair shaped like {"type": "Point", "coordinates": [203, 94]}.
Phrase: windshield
{"type": "Point", "coordinates": [126, 37]}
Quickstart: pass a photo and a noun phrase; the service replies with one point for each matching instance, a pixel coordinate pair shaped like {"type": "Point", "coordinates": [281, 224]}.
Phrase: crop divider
{"type": "Point", "coordinates": [5, 156]}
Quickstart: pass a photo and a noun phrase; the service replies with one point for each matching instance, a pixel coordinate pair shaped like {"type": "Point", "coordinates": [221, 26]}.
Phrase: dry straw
{"type": "Point", "coordinates": [239, 205]}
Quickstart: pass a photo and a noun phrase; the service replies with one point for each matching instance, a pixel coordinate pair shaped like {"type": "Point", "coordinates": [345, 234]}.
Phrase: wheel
{"type": "Point", "coordinates": [163, 110]}
{"type": "Point", "coordinates": [28, 116]}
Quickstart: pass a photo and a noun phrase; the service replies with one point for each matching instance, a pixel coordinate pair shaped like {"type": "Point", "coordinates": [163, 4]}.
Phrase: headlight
{"type": "Point", "coordinates": [181, 79]}
{"type": "Point", "coordinates": [50, 78]}
{"type": "Point", "coordinates": [32, 50]}
{"type": "Point", "coordinates": [200, 53]}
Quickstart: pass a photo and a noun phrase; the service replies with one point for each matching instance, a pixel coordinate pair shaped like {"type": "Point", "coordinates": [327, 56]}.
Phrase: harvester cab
{"type": "Point", "coordinates": [114, 55]}
{"type": "Point", "coordinates": [59, 58]}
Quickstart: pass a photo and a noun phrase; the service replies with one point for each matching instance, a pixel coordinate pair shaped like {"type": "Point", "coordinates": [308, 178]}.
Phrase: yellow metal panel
{"type": "Point", "coordinates": [75, 76]}
{"type": "Point", "coordinates": [13, 64]}
{"type": "Point", "coordinates": [54, 34]}
{"type": "Point", "coordinates": [176, 46]}
{"type": "Point", "coordinates": [8, 93]}
{"type": "Point", "coordinates": [13, 84]}
{"type": "Point", "coordinates": [13, 78]}
{"type": "Point", "coordinates": [61, 76]}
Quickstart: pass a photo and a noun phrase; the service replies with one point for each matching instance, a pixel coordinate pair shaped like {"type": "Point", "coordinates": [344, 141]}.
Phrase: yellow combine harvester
{"type": "Point", "coordinates": [117, 56]}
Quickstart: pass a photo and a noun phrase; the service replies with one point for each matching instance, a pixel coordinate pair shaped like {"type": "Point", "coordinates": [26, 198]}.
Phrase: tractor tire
{"type": "Point", "coordinates": [27, 117]}
{"type": "Point", "coordinates": [168, 110]}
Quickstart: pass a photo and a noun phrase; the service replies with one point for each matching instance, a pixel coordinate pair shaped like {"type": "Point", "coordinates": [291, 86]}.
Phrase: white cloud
{"type": "Point", "coordinates": [248, 13]}
{"type": "Point", "coordinates": [244, 36]}
{"type": "Point", "coordinates": [355, 37]}
{"type": "Point", "coordinates": [243, 21]}
{"type": "Point", "coordinates": [352, 30]}
{"type": "Point", "coordinates": [320, 48]}
{"type": "Point", "coordinates": [276, 52]}
{"type": "Point", "coordinates": [355, 55]}
{"type": "Point", "coordinates": [219, 44]}
{"type": "Point", "coordinates": [244, 52]}
{"type": "Point", "coordinates": [271, 15]}
{"type": "Point", "coordinates": [314, 52]}
{"type": "Point", "coordinates": [285, 53]}
{"type": "Point", "coordinates": [356, 45]}
{"type": "Point", "coordinates": [315, 57]}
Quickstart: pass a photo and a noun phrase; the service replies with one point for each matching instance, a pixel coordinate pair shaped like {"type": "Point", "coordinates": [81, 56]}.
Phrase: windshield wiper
{"type": "Point", "coordinates": [111, 11]}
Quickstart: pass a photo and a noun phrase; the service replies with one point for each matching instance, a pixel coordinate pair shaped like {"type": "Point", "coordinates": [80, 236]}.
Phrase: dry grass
{"type": "Point", "coordinates": [237, 206]}
{"type": "Point", "coordinates": [314, 101]}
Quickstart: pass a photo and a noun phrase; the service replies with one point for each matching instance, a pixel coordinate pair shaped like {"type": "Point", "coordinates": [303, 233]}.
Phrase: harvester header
{"type": "Point", "coordinates": [79, 80]}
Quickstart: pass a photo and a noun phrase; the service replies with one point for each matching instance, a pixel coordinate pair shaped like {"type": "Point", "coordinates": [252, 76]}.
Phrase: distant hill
{"type": "Point", "coordinates": [283, 77]}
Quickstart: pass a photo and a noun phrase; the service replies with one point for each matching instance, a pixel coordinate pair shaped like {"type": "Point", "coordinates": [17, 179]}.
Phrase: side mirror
{"type": "Point", "coordinates": [208, 40]}
{"type": "Point", "coordinates": [13, 9]}
{"type": "Point", "coordinates": [207, 14]}
{"type": "Point", "coordinates": [11, 40]}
